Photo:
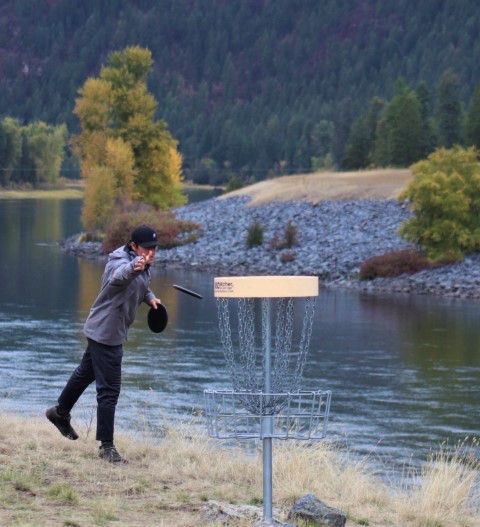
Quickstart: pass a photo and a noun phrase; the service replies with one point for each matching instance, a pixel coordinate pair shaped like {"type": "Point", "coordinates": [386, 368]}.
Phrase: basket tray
{"type": "Point", "coordinates": [258, 415]}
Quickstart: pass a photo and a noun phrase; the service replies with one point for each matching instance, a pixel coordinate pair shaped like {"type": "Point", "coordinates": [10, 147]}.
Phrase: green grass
{"type": "Point", "coordinates": [63, 492]}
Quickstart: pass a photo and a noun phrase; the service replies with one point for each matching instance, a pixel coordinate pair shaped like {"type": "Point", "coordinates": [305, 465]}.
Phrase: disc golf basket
{"type": "Point", "coordinates": [265, 329]}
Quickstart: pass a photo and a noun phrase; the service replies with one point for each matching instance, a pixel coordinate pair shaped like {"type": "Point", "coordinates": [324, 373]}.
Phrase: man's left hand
{"type": "Point", "coordinates": [154, 302]}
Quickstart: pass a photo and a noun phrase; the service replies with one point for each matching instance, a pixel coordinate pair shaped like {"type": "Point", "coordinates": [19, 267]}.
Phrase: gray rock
{"type": "Point", "coordinates": [225, 513]}
{"type": "Point", "coordinates": [310, 508]}
{"type": "Point", "coordinates": [220, 512]}
{"type": "Point", "coordinates": [274, 523]}
{"type": "Point", "coordinates": [334, 237]}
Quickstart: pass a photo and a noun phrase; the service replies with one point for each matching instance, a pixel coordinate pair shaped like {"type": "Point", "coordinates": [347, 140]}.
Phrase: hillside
{"type": "Point", "coordinates": [320, 186]}
{"type": "Point", "coordinates": [251, 86]}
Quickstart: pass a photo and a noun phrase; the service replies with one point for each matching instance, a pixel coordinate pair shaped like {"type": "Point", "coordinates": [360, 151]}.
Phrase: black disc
{"type": "Point", "coordinates": [187, 291]}
{"type": "Point", "coordinates": [157, 318]}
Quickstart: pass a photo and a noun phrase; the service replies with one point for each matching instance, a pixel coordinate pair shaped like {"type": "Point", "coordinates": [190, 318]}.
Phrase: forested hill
{"type": "Point", "coordinates": [247, 84]}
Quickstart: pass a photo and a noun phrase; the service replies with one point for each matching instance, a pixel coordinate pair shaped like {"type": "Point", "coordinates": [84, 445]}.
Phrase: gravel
{"type": "Point", "coordinates": [334, 238]}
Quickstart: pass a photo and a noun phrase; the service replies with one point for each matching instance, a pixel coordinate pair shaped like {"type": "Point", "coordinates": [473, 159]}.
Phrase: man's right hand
{"type": "Point", "coordinates": [140, 264]}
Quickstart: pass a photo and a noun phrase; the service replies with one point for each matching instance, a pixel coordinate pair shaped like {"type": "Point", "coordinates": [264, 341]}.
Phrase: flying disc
{"type": "Point", "coordinates": [157, 318]}
{"type": "Point", "coordinates": [187, 291]}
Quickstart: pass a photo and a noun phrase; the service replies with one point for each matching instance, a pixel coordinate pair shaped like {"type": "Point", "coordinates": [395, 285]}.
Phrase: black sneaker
{"type": "Point", "coordinates": [62, 422]}
{"type": "Point", "coordinates": [110, 454]}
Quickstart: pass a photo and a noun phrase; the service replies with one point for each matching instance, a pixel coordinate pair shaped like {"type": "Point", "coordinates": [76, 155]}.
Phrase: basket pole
{"type": "Point", "coordinates": [267, 419]}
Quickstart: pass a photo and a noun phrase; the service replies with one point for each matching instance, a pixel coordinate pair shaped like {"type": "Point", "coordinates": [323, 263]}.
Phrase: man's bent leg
{"type": "Point", "coordinates": [76, 385]}
{"type": "Point", "coordinates": [80, 379]}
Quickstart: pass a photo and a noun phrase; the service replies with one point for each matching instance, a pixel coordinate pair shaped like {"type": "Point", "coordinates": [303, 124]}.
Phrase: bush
{"type": "Point", "coordinates": [288, 256]}
{"type": "Point", "coordinates": [171, 231]}
{"type": "Point", "coordinates": [234, 183]}
{"type": "Point", "coordinates": [445, 200]}
{"type": "Point", "coordinates": [255, 234]}
{"type": "Point", "coordinates": [289, 238]}
{"type": "Point", "coordinates": [395, 263]}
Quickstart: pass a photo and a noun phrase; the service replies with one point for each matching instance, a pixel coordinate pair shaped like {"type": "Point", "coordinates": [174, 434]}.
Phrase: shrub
{"type": "Point", "coordinates": [288, 256]}
{"type": "Point", "coordinates": [171, 231]}
{"type": "Point", "coordinates": [445, 200]}
{"type": "Point", "coordinates": [234, 183]}
{"type": "Point", "coordinates": [289, 238]}
{"type": "Point", "coordinates": [255, 234]}
{"type": "Point", "coordinates": [395, 263]}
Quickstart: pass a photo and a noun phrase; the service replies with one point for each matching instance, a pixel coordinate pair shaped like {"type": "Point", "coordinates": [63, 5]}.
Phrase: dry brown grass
{"type": "Point", "coordinates": [365, 184]}
{"type": "Point", "coordinates": [46, 480]}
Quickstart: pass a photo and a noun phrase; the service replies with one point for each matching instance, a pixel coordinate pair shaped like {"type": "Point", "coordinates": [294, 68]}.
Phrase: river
{"type": "Point", "coordinates": [404, 370]}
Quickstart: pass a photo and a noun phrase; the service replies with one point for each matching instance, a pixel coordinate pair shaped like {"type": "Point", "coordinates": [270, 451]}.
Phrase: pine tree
{"type": "Point", "coordinates": [449, 111]}
{"type": "Point", "coordinates": [10, 148]}
{"type": "Point", "coordinates": [428, 134]}
{"type": "Point", "coordinates": [399, 133]}
{"type": "Point", "coordinates": [472, 127]}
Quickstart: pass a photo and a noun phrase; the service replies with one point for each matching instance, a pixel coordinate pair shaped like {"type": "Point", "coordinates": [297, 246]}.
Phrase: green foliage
{"type": "Point", "coordinates": [246, 83]}
{"type": "Point", "coordinates": [63, 492]}
{"type": "Point", "coordinates": [255, 234]}
{"type": "Point", "coordinates": [359, 149]}
{"type": "Point", "coordinates": [395, 263]}
{"type": "Point", "coordinates": [449, 111]}
{"type": "Point", "coordinates": [399, 137]}
{"type": "Point", "coordinates": [31, 154]}
{"type": "Point", "coordinates": [472, 126]}
{"type": "Point", "coordinates": [45, 146]}
{"type": "Point", "coordinates": [10, 148]}
{"type": "Point", "coordinates": [234, 183]}
{"type": "Point", "coordinates": [445, 200]}
{"type": "Point", "coordinates": [171, 231]}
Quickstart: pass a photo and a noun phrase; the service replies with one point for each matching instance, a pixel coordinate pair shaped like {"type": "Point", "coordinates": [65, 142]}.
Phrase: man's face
{"type": "Point", "coordinates": [148, 254]}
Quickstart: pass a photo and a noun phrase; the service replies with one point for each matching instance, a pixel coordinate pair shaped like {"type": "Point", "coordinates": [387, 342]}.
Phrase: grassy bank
{"type": "Point", "coordinates": [66, 193]}
{"type": "Point", "coordinates": [362, 184]}
{"type": "Point", "coordinates": [46, 480]}
{"type": "Point", "coordinates": [68, 189]}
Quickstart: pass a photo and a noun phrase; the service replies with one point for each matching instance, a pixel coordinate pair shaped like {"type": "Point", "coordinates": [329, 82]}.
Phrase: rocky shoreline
{"type": "Point", "coordinates": [334, 238]}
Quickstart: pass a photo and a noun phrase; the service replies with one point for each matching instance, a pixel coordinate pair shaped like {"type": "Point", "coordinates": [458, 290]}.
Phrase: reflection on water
{"type": "Point", "coordinates": [404, 371]}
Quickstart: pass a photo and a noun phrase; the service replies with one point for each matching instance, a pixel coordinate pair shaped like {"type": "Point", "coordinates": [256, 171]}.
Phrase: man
{"type": "Point", "coordinates": [125, 285]}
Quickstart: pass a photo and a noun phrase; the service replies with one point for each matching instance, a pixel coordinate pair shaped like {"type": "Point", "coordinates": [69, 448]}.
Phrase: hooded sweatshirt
{"type": "Point", "coordinates": [115, 307]}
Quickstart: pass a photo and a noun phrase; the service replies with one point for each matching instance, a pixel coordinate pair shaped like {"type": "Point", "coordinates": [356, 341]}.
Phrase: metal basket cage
{"type": "Point", "coordinates": [297, 415]}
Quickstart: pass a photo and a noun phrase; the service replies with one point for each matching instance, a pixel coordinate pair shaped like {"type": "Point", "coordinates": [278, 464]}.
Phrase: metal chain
{"type": "Point", "coordinates": [304, 339]}
{"type": "Point", "coordinates": [245, 364]}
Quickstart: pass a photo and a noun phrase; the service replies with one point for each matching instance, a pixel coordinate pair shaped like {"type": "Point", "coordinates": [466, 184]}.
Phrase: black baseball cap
{"type": "Point", "coordinates": [145, 236]}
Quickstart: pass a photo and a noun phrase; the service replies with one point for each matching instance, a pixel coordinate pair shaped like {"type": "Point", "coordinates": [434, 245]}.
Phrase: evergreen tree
{"type": "Point", "coordinates": [428, 134]}
{"type": "Point", "coordinates": [400, 134]}
{"type": "Point", "coordinates": [449, 111]}
{"type": "Point", "coordinates": [359, 152]}
{"type": "Point", "coordinates": [472, 127]}
{"type": "Point", "coordinates": [10, 148]}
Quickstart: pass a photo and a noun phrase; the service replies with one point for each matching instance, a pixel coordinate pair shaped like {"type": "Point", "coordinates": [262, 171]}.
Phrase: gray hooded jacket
{"type": "Point", "coordinates": [115, 307]}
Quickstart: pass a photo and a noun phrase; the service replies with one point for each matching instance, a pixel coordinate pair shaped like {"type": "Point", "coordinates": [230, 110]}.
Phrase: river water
{"type": "Point", "coordinates": [404, 370]}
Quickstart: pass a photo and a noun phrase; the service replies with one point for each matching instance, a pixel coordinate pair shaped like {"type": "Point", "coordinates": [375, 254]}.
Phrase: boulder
{"type": "Point", "coordinates": [310, 508]}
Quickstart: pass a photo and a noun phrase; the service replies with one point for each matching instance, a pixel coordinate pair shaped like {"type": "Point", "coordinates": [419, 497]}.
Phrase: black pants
{"type": "Point", "coordinates": [102, 364]}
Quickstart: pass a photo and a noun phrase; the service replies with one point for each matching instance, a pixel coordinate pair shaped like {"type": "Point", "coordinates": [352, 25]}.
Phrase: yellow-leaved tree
{"type": "Point", "coordinates": [126, 155]}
